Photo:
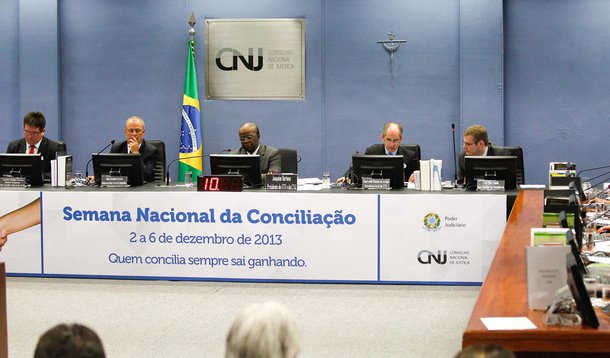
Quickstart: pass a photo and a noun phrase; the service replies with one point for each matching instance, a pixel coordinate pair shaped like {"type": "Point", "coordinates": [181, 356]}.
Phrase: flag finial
{"type": "Point", "coordinates": [192, 23]}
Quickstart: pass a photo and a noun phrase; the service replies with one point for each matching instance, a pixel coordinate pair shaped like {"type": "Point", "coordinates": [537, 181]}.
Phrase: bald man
{"type": "Point", "coordinates": [270, 158]}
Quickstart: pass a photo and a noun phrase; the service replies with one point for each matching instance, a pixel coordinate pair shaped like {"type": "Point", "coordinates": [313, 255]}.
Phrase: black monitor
{"type": "Point", "coordinates": [118, 164]}
{"type": "Point", "coordinates": [490, 168]}
{"type": "Point", "coordinates": [248, 166]}
{"type": "Point", "coordinates": [28, 166]}
{"type": "Point", "coordinates": [579, 292]}
{"type": "Point", "coordinates": [574, 247]}
{"type": "Point", "coordinates": [380, 167]}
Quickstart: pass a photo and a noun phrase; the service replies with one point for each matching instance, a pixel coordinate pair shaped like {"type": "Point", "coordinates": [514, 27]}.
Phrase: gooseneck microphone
{"type": "Point", "coordinates": [98, 153]}
{"type": "Point", "coordinates": [454, 157]}
{"type": "Point", "coordinates": [191, 157]}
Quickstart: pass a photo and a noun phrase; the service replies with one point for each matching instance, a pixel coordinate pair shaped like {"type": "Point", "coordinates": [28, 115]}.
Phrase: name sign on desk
{"type": "Point", "coordinates": [114, 181]}
{"type": "Point", "coordinates": [490, 185]}
{"type": "Point", "coordinates": [281, 182]}
{"type": "Point", "coordinates": [375, 183]}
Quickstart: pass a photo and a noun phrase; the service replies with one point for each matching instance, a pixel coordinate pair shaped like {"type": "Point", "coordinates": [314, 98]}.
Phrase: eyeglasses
{"type": "Point", "coordinates": [133, 130]}
{"type": "Point", "coordinates": [247, 137]}
{"type": "Point", "coordinates": [468, 144]}
{"type": "Point", "coordinates": [26, 132]}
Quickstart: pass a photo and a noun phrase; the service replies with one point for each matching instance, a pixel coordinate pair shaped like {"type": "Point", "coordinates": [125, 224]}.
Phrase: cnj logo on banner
{"type": "Point", "coordinates": [426, 257]}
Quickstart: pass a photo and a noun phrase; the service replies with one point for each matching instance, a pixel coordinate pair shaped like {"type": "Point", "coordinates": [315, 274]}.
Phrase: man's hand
{"type": "Point", "coordinates": [134, 146]}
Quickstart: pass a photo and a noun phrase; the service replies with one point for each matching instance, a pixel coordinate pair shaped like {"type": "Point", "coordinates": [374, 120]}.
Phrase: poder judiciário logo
{"type": "Point", "coordinates": [432, 222]}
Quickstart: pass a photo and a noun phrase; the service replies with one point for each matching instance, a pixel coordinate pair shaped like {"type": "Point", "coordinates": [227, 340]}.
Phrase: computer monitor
{"type": "Point", "coordinates": [490, 168]}
{"type": "Point", "coordinates": [118, 164]}
{"type": "Point", "coordinates": [380, 167]}
{"type": "Point", "coordinates": [28, 166]}
{"type": "Point", "coordinates": [248, 166]}
{"type": "Point", "coordinates": [579, 292]}
{"type": "Point", "coordinates": [574, 247]}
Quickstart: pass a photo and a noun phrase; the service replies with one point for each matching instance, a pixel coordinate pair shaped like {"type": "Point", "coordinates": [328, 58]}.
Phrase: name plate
{"type": "Point", "coordinates": [281, 182]}
{"type": "Point", "coordinates": [12, 182]}
{"type": "Point", "coordinates": [110, 181]}
{"type": "Point", "coordinates": [490, 185]}
{"type": "Point", "coordinates": [375, 184]}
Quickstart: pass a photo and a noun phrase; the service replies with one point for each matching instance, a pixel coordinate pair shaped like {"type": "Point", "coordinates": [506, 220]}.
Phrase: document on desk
{"type": "Point", "coordinates": [507, 323]}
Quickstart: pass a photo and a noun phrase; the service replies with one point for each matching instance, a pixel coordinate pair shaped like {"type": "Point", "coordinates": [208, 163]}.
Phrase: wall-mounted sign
{"type": "Point", "coordinates": [255, 59]}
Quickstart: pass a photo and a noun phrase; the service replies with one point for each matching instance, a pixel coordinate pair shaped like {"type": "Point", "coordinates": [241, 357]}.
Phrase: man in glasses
{"type": "Point", "coordinates": [135, 144]}
{"type": "Point", "coordinates": [476, 143]}
{"type": "Point", "coordinates": [270, 158]}
{"type": "Point", "coordinates": [34, 142]}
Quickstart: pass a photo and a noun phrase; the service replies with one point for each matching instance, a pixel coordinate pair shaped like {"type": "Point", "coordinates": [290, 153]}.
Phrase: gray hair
{"type": "Point", "coordinates": [263, 330]}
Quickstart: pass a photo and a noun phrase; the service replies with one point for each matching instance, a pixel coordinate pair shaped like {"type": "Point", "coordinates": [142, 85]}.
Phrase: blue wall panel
{"type": "Point", "coordinates": [557, 70]}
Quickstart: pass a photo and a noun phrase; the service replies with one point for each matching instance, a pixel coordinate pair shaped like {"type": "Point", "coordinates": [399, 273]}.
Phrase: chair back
{"type": "Point", "coordinates": [517, 152]}
{"type": "Point", "coordinates": [160, 164]}
{"type": "Point", "coordinates": [414, 148]}
{"type": "Point", "coordinates": [290, 160]}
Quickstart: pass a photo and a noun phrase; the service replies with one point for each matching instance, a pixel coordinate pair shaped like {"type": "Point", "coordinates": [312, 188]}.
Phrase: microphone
{"type": "Point", "coordinates": [98, 153]}
{"type": "Point", "coordinates": [591, 169]}
{"type": "Point", "coordinates": [191, 157]}
{"type": "Point", "coordinates": [454, 157]}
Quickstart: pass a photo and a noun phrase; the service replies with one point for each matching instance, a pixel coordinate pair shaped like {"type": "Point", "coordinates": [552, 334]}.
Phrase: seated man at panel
{"type": "Point", "coordinates": [270, 158]}
{"type": "Point", "coordinates": [391, 138]}
{"type": "Point", "coordinates": [135, 144]}
{"type": "Point", "coordinates": [476, 143]}
{"type": "Point", "coordinates": [34, 142]}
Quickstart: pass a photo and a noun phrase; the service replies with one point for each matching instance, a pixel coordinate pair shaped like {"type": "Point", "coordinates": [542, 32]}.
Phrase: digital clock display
{"type": "Point", "coordinates": [220, 183]}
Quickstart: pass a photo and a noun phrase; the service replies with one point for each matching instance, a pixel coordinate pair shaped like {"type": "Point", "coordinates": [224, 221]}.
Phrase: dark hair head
{"type": "Point", "coordinates": [35, 119]}
{"type": "Point", "coordinates": [69, 341]}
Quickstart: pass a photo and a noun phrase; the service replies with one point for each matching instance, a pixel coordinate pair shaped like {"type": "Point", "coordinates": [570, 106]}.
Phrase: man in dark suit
{"type": "Point", "coordinates": [391, 138]}
{"type": "Point", "coordinates": [269, 157]}
{"type": "Point", "coordinates": [476, 143]}
{"type": "Point", "coordinates": [34, 142]}
{"type": "Point", "coordinates": [135, 144]}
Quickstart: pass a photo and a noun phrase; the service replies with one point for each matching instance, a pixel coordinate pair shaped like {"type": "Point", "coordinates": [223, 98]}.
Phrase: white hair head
{"type": "Point", "coordinates": [263, 330]}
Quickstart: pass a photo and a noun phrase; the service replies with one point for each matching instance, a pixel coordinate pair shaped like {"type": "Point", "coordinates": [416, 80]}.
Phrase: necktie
{"type": "Point", "coordinates": [32, 149]}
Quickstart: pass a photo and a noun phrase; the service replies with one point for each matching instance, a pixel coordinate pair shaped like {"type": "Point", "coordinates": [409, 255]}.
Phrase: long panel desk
{"type": "Point", "coordinates": [504, 294]}
{"type": "Point", "coordinates": [332, 236]}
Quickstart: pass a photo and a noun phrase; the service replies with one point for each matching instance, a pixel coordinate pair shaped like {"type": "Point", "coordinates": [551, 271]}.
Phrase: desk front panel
{"type": "Point", "coordinates": [257, 236]}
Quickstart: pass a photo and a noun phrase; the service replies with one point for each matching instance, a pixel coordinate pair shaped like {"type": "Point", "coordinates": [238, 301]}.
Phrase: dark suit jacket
{"type": "Point", "coordinates": [148, 153]}
{"type": "Point", "coordinates": [408, 157]}
{"type": "Point", "coordinates": [49, 150]}
{"type": "Point", "coordinates": [491, 152]}
{"type": "Point", "coordinates": [270, 158]}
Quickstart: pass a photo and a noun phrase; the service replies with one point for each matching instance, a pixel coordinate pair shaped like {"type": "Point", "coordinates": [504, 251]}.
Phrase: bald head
{"type": "Point", "coordinates": [249, 136]}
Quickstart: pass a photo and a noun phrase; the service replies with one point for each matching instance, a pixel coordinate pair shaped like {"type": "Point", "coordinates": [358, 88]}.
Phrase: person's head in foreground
{"type": "Point", "coordinates": [263, 330]}
{"type": "Point", "coordinates": [69, 341]}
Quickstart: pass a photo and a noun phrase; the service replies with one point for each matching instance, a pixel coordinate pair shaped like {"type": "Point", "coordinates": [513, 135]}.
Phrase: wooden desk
{"type": "Point", "coordinates": [504, 294]}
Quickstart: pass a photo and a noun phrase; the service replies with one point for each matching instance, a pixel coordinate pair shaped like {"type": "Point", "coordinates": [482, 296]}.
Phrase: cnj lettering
{"type": "Point", "coordinates": [235, 54]}
{"type": "Point", "coordinates": [425, 257]}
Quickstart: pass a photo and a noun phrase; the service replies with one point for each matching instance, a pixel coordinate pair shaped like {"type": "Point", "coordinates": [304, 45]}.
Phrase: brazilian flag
{"type": "Point", "coordinates": [190, 134]}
